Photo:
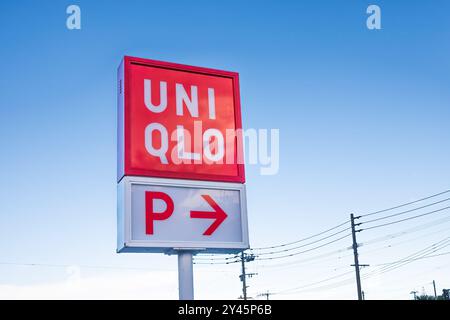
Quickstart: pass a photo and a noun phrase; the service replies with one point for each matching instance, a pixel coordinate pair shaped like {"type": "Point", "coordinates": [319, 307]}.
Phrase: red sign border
{"type": "Point", "coordinates": [128, 171]}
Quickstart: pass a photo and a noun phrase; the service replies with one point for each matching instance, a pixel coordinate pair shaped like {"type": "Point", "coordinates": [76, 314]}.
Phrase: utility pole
{"type": "Point", "coordinates": [243, 276]}
{"type": "Point", "coordinates": [245, 258]}
{"type": "Point", "coordinates": [434, 287]}
{"type": "Point", "coordinates": [363, 296]}
{"type": "Point", "coordinates": [355, 254]}
{"type": "Point", "coordinates": [267, 294]}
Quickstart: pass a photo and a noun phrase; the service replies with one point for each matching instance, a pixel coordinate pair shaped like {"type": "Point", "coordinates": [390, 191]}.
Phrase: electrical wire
{"type": "Point", "coordinates": [350, 280]}
{"type": "Point", "coordinates": [214, 262]}
{"type": "Point", "coordinates": [302, 261]}
{"type": "Point", "coordinates": [201, 258]}
{"type": "Point", "coordinates": [363, 244]}
{"type": "Point", "coordinates": [330, 286]}
{"type": "Point", "coordinates": [396, 266]}
{"type": "Point", "coordinates": [407, 231]}
{"type": "Point", "coordinates": [412, 257]}
{"type": "Point", "coordinates": [405, 204]}
{"type": "Point", "coordinates": [77, 265]}
{"type": "Point", "coordinates": [304, 251]}
{"type": "Point", "coordinates": [301, 240]}
{"type": "Point", "coordinates": [406, 241]}
{"type": "Point", "coordinates": [315, 283]}
{"type": "Point", "coordinates": [303, 245]}
{"type": "Point", "coordinates": [405, 219]}
{"type": "Point", "coordinates": [426, 254]}
{"type": "Point", "coordinates": [407, 211]}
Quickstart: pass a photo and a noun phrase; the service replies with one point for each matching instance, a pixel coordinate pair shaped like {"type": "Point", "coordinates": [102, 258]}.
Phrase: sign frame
{"type": "Point", "coordinates": [126, 244]}
{"type": "Point", "coordinates": [124, 167]}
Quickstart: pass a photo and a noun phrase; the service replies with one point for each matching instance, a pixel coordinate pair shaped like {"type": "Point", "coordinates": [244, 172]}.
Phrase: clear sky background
{"type": "Point", "coordinates": [363, 118]}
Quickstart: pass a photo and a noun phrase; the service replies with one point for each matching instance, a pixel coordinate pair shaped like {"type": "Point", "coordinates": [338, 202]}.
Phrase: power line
{"type": "Point", "coordinates": [425, 254]}
{"type": "Point", "coordinates": [422, 254]}
{"type": "Point", "coordinates": [405, 204]}
{"type": "Point", "coordinates": [316, 264]}
{"type": "Point", "coordinates": [318, 257]}
{"type": "Point", "coordinates": [77, 265]}
{"type": "Point", "coordinates": [384, 267]}
{"type": "Point", "coordinates": [407, 241]}
{"type": "Point", "coordinates": [215, 258]}
{"type": "Point", "coordinates": [302, 246]}
{"type": "Point", "coordinates": [350, 280]}
{"type": "Point", "coordinates": [426, 250]}
{"type": "Point", "coordinates": [384, 238]}
{"type": "Point", "coordinates": [301, 240]}
{"type": "Point", "coordinates": [298, 267]}
{"type": "Point", "coordinates": [396, 265]}
{"type": "Point", "coordinates": [407, 211]}
{"type": "Point", "coordinates": [406, 219]}
{"type": "Point", "coordinates": [216, 262]}
{"type": "Point", "coordinates": [315, 283]}
{"type": "Point", "coordinates": [412, 257]}
{"type": "Point", "coordinates": [407, 231]}
{"type": "Point", "coordinates": [304, 251]}
{"type": "Point", "coordinates": [415, 259]}
{"type": "Point", "coordinates": [324, 287]}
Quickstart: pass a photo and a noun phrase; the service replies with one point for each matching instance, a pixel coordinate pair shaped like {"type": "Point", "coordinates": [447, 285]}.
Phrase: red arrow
{"type": "Point", "coordinates": [217, 214]}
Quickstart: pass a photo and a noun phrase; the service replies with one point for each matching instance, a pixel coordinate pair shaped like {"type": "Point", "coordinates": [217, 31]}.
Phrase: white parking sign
{"type": "Point", "coordinates": [157, 215]}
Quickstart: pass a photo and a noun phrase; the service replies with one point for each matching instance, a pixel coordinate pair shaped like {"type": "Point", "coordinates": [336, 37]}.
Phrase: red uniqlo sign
{"type": "Point", "coordinates": [178, 121]}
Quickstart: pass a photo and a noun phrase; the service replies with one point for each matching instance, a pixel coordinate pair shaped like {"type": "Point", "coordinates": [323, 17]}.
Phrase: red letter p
{"type": "Point", "coordinates": [150, 214]}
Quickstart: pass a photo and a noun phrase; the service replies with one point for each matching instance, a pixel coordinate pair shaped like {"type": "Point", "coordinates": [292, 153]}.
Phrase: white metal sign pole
{"type": "Point", "coordinates": [185, 275]}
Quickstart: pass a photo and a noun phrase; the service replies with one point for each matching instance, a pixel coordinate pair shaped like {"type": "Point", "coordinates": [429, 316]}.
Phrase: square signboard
{"type": "Point", "coordinates": [178, 121]}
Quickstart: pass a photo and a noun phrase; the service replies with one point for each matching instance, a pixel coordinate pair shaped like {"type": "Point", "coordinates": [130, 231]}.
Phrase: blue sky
{"type": "Point", "coordinates": [363, 119]}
